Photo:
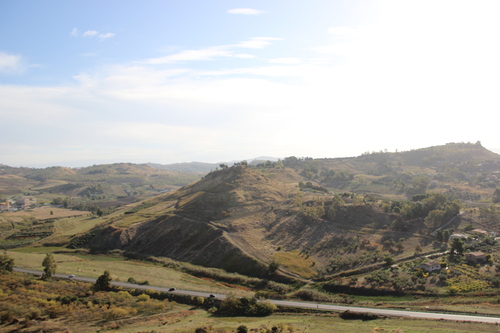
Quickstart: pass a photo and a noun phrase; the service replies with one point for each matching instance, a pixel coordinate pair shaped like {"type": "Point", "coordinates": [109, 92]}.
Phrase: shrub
{"type": "Point", "coordinates": [242, 329]}
{"type": "Point", "coordinates": [349, 315]}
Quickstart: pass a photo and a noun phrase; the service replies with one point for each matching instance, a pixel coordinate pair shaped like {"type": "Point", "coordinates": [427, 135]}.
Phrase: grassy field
{"type": "Point", "coordinates": [186, 320]}
{"type": "Point", "coordinates": [41, 213]}
{"type": "Point", "coordinates": [120, 268]}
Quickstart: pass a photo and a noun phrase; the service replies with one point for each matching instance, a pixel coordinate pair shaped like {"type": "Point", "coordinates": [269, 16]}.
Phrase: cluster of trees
{"type": "Point", "coordinates": [434, 207]}
{"type": "Point", "coordinates": [6, 264]}
{"type": "Point", "coordinates": [92, 190]}
{"type": "Point", "coordinates": [443, 236]}
{"type": "Point", "coordinates": [245, 306]}
{"type": "Point", "coordinates": [396, 281]}
{"type": "Point", "coordinates": [59, 201]}
{"type": "Point", "coordinates": [311, 186]}
{"type": "Point", "coordinates": [490, 214]}
{"type": "Point", "coordinates": [271, 165]}
{"type": "Point", "coordinates": [319, 207]}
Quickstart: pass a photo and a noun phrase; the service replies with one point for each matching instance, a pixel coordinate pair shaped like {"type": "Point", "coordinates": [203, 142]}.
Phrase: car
{"type": "Point", "coordinates": [212, 296]}
{"type": "Point", "coordinates": [171, 289]}
{"type": "Point", "coordinates": [71, 276]}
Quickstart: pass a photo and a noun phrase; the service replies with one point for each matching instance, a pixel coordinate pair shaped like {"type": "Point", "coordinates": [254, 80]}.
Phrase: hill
{"type": "Point", "coordinates": [99, 182]}
{"type": "Point", "coordinates": [314, 217]}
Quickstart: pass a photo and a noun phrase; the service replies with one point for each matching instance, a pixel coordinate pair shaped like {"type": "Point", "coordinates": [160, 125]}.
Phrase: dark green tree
{"type": "Point", "coordinates": [446, 236]}
{"type": "Point", "coordinates": [389, 260]}
{"type": "Point", "coordinates": [439, 235]}
{"type": "Point", "coordinates": [6, 264]}
{"type": "Point", "coordinates": [49, 266]}
{"type": "Point", "coordinates": [103, 282]}
{"type": "Point", "coordinates": [496, 196]}
{"type": "Point", "coordinates": [457, 246]}
{"type": "Point", "coordinates": [242, 329]}
{"type": "Point", "coordinates": [273, 266]}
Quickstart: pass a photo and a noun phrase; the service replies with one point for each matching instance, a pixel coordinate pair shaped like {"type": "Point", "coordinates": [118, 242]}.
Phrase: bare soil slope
{"type": "Point", "coordinates": [237, 219]}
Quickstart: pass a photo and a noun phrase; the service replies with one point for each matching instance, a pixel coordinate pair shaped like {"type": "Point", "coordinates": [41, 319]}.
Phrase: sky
{"type": "Point", "coordinates": [168, 81]}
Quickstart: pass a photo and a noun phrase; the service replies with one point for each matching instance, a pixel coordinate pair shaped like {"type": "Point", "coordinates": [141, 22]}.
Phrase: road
{"type": "Point", "coordinates": [382, 312]}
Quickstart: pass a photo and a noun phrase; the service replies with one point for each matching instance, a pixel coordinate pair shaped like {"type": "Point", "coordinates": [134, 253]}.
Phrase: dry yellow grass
{"type": "Point", "coordinates": [296, 262]}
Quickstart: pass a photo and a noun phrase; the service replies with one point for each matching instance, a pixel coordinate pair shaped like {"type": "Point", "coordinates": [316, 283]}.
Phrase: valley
{"type": "Point", "coordinates": [414, 229]}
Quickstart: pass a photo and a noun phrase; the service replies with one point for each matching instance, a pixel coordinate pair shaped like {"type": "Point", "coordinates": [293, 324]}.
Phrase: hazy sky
{"type": "Point", "coordinates": [84, 82]}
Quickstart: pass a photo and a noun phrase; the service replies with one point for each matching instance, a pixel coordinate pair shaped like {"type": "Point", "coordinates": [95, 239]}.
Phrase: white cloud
{"type": "Point", "coordinates": [74, 32]}
{"type": "Point", "coordinates": [191, 55]}
{"type": "Point", "coordinates": [11, 63]}
{"type": "Point", "coordinates": [93, 33]}
{"type": "Point", "coordinates": [106, 35]}
{"type": "Point", "coordinates": [347, 32]}
{"type": "Point", "coordinates": [286, 61]}
{"type": "Point", "coordinates": [257, 42]}
{"type": "Point", "coordinates": [245, 11]}
{"type": "Point", "coordinates": [415, 70]}
{"type": "Point", "coordinates": [90, 33]}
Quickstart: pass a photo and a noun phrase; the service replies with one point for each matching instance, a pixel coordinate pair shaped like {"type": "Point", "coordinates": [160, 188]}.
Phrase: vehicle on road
{"type": "Point", "coordinates": [71, 276]}
{"type": "Point", "coordinates": [171, 289]}
{"type": "Point", "coordinates": [212, 296]}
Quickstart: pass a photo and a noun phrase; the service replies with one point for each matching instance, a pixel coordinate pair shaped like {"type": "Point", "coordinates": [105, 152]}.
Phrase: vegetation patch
{"type": "Point", "coordinates": [296, 262]}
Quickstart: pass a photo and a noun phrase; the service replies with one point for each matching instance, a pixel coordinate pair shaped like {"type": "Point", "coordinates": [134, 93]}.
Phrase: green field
{"type": "Point", "coordinates": [120, 268]}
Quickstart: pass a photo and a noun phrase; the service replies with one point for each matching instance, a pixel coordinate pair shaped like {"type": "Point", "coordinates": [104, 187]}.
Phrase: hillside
{"type": "Point", "coordinates": [241, 219]}
{"type": "Point", "coordinates": [100, 185]}
{"type": "Point", "coordinates": [315, 217]}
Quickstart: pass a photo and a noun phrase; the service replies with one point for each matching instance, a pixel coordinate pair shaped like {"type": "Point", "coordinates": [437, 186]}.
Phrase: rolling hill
{"type": "Point", "coordinates": [312, 216]}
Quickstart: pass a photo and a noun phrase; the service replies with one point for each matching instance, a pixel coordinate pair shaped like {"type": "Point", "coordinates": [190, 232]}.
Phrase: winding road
{"type": "Point", "coordinates": [381, 312]}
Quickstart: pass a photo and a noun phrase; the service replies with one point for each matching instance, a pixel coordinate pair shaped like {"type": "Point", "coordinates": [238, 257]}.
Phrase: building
{"type": "Point", "coordinates": [430, 266]}
{"type": "Point", "coordinates": [26, 201]}
{"type": "Point", "coordinates": [475, 257]}
{"type": "Point", "coordinates": [4, 205]}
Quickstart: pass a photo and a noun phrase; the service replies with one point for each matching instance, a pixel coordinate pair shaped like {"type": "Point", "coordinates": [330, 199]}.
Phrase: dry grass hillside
{"type": "Point", "coordinates": [241, 219]}
{"type": "Point", "coordinates": [314, 217]}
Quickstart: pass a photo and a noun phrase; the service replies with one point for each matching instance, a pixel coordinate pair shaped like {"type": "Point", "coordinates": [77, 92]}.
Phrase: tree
{"type": "Point", "coordinates": [496, 196]}
{"type": "Point", "coordinates": [49, 266]}
{"type": "Point", "coordinates": [446, 236]}
{"type": "Point", "coordinates": [389, 260]}
{"type": "Point", "coordinates": [439, 235]}
{"type": "Point", "coordinates": [273, 266]}
{"type": "Point", "coordinates": [6, 264]}
{"type": "Point", "coordinates": [242, 329]}
{"type": "Point", "coordinates": [418, 249]}
{"type": "Point", "coordinates": [103, 282]}
{"type": "Point", "coordinates": [457, 246]}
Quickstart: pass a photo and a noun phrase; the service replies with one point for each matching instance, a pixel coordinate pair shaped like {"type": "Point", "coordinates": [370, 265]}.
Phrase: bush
{"type": "Point", "coordinates": [349, 315]}
{"type": "Point", "coordinates": [242, 329]}
{"type": "Point", "coordinates": [245, 306]}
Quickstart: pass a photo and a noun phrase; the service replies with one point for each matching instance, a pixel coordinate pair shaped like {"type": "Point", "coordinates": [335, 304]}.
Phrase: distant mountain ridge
{"type": "Point", "coordinates": [203, 168]}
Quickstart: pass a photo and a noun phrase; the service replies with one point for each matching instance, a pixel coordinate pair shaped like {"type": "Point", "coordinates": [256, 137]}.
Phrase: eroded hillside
{"type": "Point", "coordinates": [239, 219]}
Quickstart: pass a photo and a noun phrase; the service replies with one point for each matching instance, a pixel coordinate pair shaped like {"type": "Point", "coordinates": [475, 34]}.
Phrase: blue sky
{"type": "Point", "coordinates": [91, 82]}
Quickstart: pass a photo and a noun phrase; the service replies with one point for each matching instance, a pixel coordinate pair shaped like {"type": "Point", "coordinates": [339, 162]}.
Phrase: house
{"type": "Point", "coordinates": [459, 235]}
{"type": "Point", "coordinates": [4, 205]}
{"type": "Point", "coordinates": [475, 257]}
{"type": "Point", "coordinates": [26, 201]}
{"type": "Point", "coordinates": [430, 266]}
{"type": "Point", "coordinates": [479, 231]}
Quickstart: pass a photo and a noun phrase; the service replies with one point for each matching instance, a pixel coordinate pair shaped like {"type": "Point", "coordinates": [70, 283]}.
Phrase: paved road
{"type": "Point", "coordinates": [382, 312]}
